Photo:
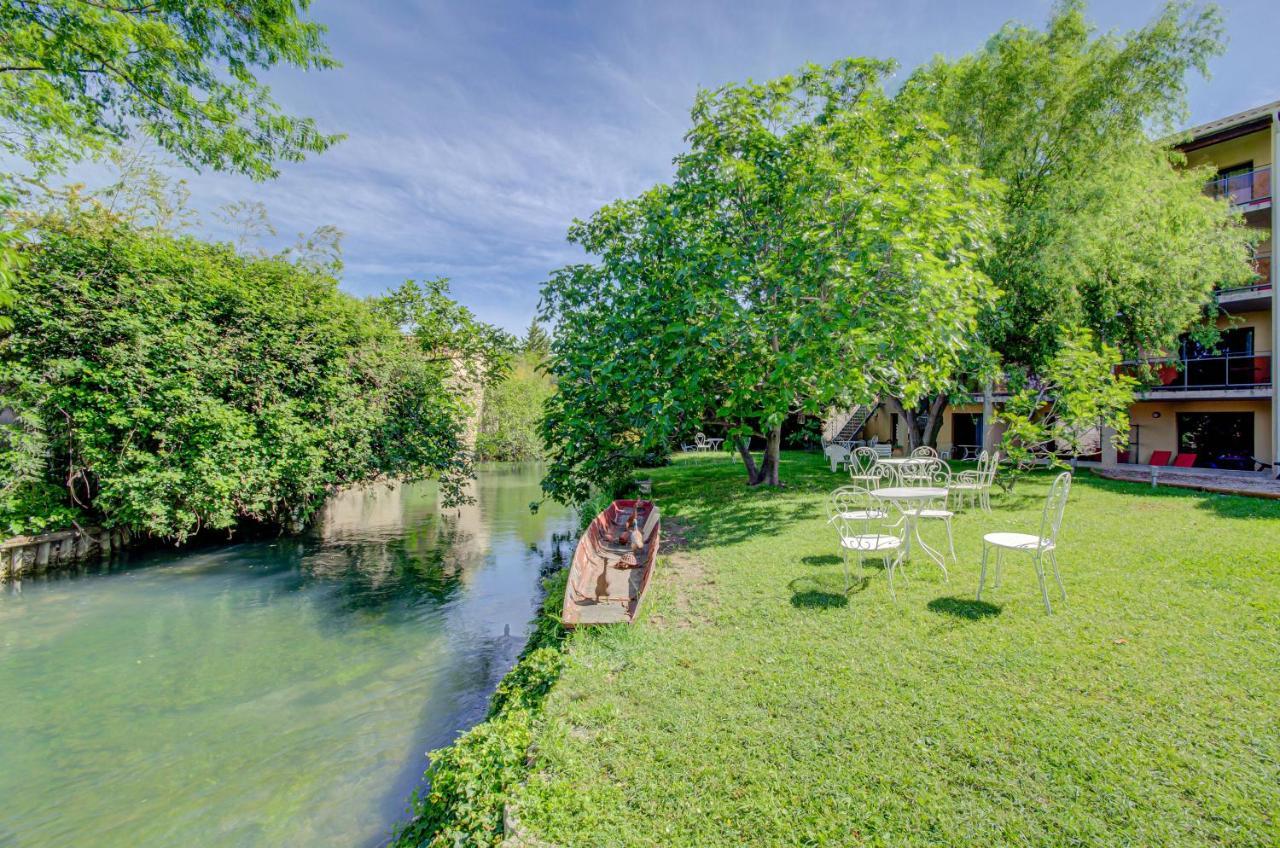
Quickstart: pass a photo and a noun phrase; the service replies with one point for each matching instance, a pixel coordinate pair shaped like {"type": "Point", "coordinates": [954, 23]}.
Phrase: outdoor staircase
{"type": "Point", "coordinates": [852, 425]}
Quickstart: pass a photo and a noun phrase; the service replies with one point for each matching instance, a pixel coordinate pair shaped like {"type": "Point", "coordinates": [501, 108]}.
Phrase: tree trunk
{"type": "Point", "coordinates": [988, 415]}
{"type": "Point", "coordinates": [744, 450]}
{"type": "Point", "coordinates": [933, 425]}
{"type": "Point", "coordinates": [768, 472]}
{"type": "Point", "coordinates": [908, 418]}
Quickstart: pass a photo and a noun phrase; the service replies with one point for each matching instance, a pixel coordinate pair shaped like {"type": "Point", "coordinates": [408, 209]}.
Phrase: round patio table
{"type": "Point", "coordinates": [907, 499]}
{"type": "Point", "coordinates": [903, 460]}
{"type": "Point", "coordinates": [714, 444]}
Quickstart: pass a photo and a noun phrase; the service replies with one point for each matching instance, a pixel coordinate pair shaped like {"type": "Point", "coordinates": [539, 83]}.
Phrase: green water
{"type": "Point", "coordinates": [272, 693]}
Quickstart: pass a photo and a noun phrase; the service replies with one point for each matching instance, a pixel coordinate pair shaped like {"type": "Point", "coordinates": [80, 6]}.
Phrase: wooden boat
{"type": "Point", "coordinates": [608, 578]}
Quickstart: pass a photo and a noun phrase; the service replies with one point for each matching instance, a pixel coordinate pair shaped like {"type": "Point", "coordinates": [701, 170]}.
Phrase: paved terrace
{"type": "Point", "coordinates": [1207, 480]}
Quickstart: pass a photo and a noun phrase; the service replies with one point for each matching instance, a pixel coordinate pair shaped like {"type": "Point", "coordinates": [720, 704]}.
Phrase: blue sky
{"type": "Point", "coordinates": [479, 130]}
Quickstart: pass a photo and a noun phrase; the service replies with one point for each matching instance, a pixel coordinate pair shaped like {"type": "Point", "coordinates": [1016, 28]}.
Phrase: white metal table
{"type": "Point", "coordinates": [908, 499]}
{"type": "Point", "coordinates": [714, 444]}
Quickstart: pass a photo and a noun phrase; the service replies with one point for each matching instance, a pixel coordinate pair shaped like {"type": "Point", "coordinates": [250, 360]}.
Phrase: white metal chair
{"type": "Point", "coordinates": [700, 443]}
{"type": "Point", "coordinates": [975, 484]}
{"type": "Point", "coordinates": [1039, 546]}
{"type": "Point", "coordinates": [862, 465]}
{"type": "Point", "coordinates": [866, 532]}
{"type": "Point", "coordinates": [933, 474]}
{"type": "Point", "coordinates": [911, 472]}
{"type": "Point", "coordinates": [924, 452]}
{"type": "Point", "coordinates": [847, 504]}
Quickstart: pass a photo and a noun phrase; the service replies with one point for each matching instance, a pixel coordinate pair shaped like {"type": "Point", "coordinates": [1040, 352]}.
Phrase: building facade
{"type": "Point", "coordinates": [1219, 405]}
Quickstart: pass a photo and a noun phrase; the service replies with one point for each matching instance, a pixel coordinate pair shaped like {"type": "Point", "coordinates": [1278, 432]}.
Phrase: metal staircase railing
{"type": "Point", "coordinates": [845, 428]}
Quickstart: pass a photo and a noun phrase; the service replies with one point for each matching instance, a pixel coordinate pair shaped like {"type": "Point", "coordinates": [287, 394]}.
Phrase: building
{"type": "Point", "coordinates": [1220, 405]}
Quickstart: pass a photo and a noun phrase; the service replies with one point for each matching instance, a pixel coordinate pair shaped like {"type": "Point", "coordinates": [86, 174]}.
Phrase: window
{"type": "Point", "coordinates": [966, 429]}
{"type": "Point", "coordinates": [1230, 363]}
{"type": "Point", "coordinates": [1236, 183]}
{"type": "Point", "coordinates": [1218, 439]}
{"type": "Point", "coordinates": [1238, 340]}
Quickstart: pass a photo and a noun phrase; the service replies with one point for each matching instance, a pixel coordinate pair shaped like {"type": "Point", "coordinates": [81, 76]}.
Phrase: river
{"type": "Point", "coordinates": [269, 693]}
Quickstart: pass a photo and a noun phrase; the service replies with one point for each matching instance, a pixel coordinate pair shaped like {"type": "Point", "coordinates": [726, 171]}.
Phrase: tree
{"type": "Point", "coordinates": [1108, 237]}
{"type": "Point", "coordinates": [512, 410]}
{"type": "Point", "coordinates": [818, 243]}
{"type": "Point", "coordinates": [78, 77]}
{"type": "Point", "coordinates": [169, 385]}
{"type": "Point", "coordinates": [536, 341]}
{"type": "Point", "coordinates": [449, 332]}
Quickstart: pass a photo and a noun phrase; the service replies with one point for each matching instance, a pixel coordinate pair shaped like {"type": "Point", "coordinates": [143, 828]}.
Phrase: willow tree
{"type": "Point", "coordinates": [818, 243]}
{"type": "Point", "coordinates": [1107, 237]}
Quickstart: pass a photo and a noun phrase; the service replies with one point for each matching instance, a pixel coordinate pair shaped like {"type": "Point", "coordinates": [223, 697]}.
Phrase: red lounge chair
{"type": "Point", "coordinates": [1160, 457]}
{"type": "Point", "coordinates": [1184, 460]}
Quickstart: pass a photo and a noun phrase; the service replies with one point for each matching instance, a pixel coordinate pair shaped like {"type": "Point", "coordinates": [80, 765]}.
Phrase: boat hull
{"type": "Point", "coordinates": [607, 580]}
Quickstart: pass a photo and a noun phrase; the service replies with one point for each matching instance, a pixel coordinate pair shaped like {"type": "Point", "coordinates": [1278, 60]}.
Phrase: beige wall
{"type": "Point", "coordinates": [878, 425]}
{"type": "Point", "coordinates": [1162, 433]}
{"type": "Point", "coordinates": [1255, 147]}
{"type": "Point", "coordinates": [1259, 321]}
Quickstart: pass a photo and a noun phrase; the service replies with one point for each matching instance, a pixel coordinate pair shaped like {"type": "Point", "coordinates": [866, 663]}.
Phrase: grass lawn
{"type": "Point", "coordinates": [757, 703]}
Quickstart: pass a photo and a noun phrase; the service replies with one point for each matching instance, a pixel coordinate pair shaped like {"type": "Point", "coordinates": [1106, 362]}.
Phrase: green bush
{"type": "Point", "coordinates": [512, 409]}
{"type": "Point", "coordinates": [169, 385]}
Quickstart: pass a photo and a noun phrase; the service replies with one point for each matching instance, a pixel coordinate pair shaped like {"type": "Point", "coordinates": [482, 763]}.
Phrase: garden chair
{"type": "Point", "coordinates": [700, 443]}
{"type": "Point", "coordinates": [869, 535]}
{"type": "Point", "coordinates": [862, 465]}
{"type": "Point", "coordinates": [836, 454]}
{"type": "Point", "coordinates": [1185, 460]}
{"type": "Point", "coordinates": [846, 503]}
{"type": "Point", "coordinates": [975, 485]}
{"type": "Point", "coordinates": [934, 474]}
{"type": "Point", "coordinates": [924, 452]}
{"type": "Point", "coordinates": [1160, 458]}
{"type": "Point", "coordinates": [1039, 546]}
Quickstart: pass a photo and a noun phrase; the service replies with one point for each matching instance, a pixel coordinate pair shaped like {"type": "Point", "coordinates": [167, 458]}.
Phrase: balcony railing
{"type": "Point", "coordinates": [1261, 264]}
{"type": "Point", "coordinates": [1249, 187]}
{"type": "Point", "coordinates": [1227, 371]}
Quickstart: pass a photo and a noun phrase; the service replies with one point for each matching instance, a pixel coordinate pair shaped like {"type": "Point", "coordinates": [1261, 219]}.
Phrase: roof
{"type": "Point", "coordinates": [1230, 125]}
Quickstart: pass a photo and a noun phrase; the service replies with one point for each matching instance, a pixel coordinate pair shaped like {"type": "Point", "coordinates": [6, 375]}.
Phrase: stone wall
{"type": "Point", "coordinates": [26, 555]}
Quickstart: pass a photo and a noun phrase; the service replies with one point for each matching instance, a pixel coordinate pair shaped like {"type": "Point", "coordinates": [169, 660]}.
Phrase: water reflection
{"type": "Point", "coordinates": [276, 692]}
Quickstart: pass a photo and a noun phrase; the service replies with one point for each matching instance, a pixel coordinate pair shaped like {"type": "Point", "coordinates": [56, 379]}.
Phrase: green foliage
{"type": "Point", "coordinates": [76, 77]}
{"type": "Point", "coordinates": [512, 410]}
{"type": "Point", "coordinates": [170, 385]}
{"type": "Point", "coordinates": [818, 244]}
{"type": "Point", "coordinates": [1105, 228]}
{"type": "Point", "coordinates": [536, 341]}
{"type": "Point", "coordinates": [448, 330]}
{"type": "Point", "coordinates": [1081, 389]}
{"type": "Point", "coordinates": [472, 779]}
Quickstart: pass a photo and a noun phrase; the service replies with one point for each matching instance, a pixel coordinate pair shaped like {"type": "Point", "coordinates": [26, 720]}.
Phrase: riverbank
{"type": "Point", "coordinates": [757, 703]}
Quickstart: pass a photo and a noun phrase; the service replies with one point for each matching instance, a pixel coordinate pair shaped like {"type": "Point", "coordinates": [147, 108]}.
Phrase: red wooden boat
{"type": "Point", "coordinates": [608, 577]}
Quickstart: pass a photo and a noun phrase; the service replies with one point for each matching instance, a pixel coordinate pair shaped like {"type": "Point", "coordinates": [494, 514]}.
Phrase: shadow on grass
{"type": "Point", "coordinates": [824, 592]}
{"type": "Point", "coordinates": [966, 608]}
{"type": "Point", "coordinates": [724, 511]}
{"type": "Point", "coordinates": [823, 559]}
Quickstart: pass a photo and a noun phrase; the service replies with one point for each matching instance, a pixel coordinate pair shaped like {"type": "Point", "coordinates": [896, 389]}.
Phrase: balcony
{"type": "Point", "coordinates": [1252, 297]}
{"type": "Point", "coordinates": [1248, 190]}
{"type": "Point", "coordinates": [1231, 374]}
